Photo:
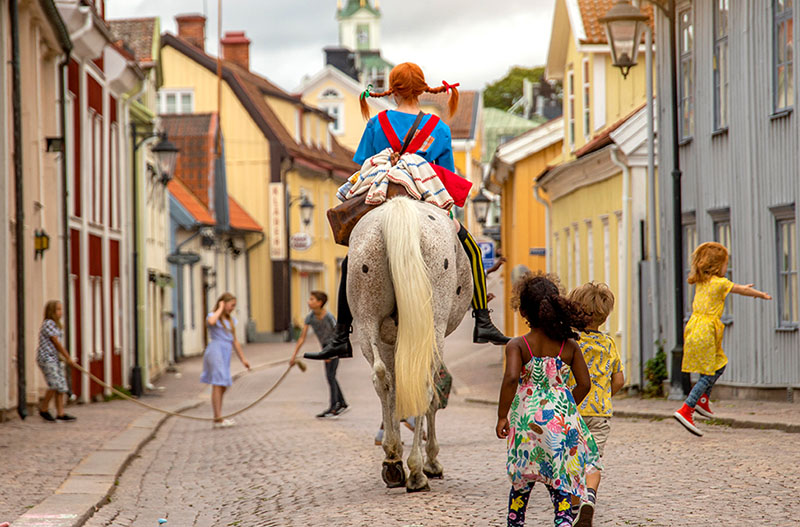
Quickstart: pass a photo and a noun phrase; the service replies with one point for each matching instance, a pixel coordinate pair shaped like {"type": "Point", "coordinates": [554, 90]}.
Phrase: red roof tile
{"type": "Point", "coordinates": [138, 35]}
{"type": "Point", "coordinates": [240, 219]}
{"type": "Point", "coordinates": [190, 202]}
{"type": "Point", "coordinates": [463, 123]}
{"type": "Point", "coordinates": [194, 135]}
{"type": "Point", "coordinates": [591, 13]}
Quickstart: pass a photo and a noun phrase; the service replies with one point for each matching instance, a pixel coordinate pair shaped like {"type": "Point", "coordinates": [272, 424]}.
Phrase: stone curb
{"type": "Point", "coordinates": [91, 483]}
{"type": "Point", "coordinates": [789, 428]}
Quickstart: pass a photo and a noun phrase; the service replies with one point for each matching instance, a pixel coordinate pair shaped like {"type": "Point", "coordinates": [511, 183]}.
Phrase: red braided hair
{"type": "Point", "coordinates": [407, 81]}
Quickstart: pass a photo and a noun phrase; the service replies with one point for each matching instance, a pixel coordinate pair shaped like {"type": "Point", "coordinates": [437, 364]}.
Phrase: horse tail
{"type": "Point", "coordinates": [415, 349]}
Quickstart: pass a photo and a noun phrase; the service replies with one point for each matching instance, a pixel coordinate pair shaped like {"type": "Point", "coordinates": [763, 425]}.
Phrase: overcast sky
{"type": "Point", "coordinates": [468, 41]}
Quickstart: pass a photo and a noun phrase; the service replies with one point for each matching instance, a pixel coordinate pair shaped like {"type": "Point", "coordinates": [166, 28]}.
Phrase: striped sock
{"type": "Point", "coordinates": [591, 495]}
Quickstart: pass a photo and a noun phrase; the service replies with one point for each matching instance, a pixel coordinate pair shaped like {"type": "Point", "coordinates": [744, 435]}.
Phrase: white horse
{"type": "Point", "coordinates": [409, 285]}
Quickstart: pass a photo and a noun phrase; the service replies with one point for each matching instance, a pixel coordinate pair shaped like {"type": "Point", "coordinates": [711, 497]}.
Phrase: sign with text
{"type": "Point", "coordinates": [277, 222]}
{"type": "Point", "coordinates": [487, 253]}
{"type": "Point", "coordinates": [300, 241]}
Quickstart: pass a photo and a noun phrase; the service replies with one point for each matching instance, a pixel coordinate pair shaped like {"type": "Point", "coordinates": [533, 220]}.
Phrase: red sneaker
{"type": "Point", "coordinates": [703, 407]}
{"type": "Point", "coordinates": [684, 417]}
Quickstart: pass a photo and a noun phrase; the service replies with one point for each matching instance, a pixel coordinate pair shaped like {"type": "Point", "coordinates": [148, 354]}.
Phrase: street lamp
{"type": "Point", "coordinates": [623, 13]}
{"type": "Point", "coordinates": [166, 154]}
{"type": "Point", "coordinates": [480, 206]}
{"type": "Point", "coordinates": [624, 26]}
{"type": "Point", "coordinates": [306, 210]}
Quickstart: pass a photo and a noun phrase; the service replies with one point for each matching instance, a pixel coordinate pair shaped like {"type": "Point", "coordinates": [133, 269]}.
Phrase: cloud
{"type": "Point", "coordinates": [469, 41]}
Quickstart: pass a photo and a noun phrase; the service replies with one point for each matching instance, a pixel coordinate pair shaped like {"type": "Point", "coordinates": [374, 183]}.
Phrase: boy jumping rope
{"type": "Point", "coordinates": [605, 370]}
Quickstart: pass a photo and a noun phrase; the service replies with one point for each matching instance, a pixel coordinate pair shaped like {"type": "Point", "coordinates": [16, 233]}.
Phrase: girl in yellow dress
{"type": "Point", "coordinates": [702, 348]}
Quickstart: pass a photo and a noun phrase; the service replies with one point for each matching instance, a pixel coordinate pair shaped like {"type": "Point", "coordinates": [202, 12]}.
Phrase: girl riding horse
{"type": "Point", "coordinates": [406, 84]}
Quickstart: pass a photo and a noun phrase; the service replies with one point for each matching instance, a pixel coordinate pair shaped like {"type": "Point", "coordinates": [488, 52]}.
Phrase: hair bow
{"type": "Point", "coordinates": [449, 87]}
{"type": "Point", "coordinates": [366, 93]}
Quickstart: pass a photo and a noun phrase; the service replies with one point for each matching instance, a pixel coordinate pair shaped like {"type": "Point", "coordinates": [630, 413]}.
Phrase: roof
{"type": "Point", "coordinates": [240, 219]}
{"type": "Point", "coordinates": [465, 121]}
{"type": "Point", "coordinates": [501, 119]}
{"type": "Point", "coordinates": [354, 6]}
{"type": "Point", "coordinates": [531, 141]}
{"type": "Point", "coordinates": [593, 10]}
{"type": "Point", "coordinates": [251, 90]}
{"type": "Point", "coordinates": [194, 135]}
{"type": "Point", "coordinates": [190, 202]}
{"type": "Point", "coordinates": [371, 60]}
{"type": "Point", "coordinates": [604, 139]}
{"type": "Point", "coordinates": [138, 35]}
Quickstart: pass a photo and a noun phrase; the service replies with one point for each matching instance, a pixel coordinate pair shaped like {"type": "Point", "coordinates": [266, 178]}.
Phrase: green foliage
{"type": "Point", "coordinates": [502, 93]}
{"type": "Point", "coordinates": [655, 371]}
{"type": "Point", "coordinates": [114, 396]}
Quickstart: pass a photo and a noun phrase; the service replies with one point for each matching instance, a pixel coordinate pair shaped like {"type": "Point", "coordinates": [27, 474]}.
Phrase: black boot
{"type": "Point", "coordinates": [485, 331]}
{"type": "Point", "coordinates": [339, 346]}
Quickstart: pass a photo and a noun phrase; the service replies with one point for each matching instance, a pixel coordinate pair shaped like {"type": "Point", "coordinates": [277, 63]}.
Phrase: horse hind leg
{"type": "Point", "coordinates": [433, 469]}
{"type": "Point", "coordinates": [393, 473]}
{"type": "Point", "coordinates": [417, 480]}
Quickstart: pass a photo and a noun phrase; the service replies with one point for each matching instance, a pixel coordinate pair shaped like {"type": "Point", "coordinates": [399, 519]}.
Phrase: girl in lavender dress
{"type": "Point", "coordinates": [217, 357]}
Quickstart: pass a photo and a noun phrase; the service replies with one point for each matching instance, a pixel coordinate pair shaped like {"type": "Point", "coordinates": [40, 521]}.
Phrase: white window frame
{"type": "Point", "coordinates": [96, 188]}
{"type": "Point", "coordinates": [783, 96]}
{"type": "Point", "coordinates": [587, 98]}
{"type": "Point", "coordinates": [571, 108]}
{"type": "Point", "coordinates": [576, 240]}
{"type": "Point", "coordinates": [620, 265]}
{"type": "Point", "coordinates": [690, 241]}
{"type": "Point", "coordinates": [686, 73]}
{"type": "Point", "coordinates": [555, 264]}
{"type": "Point", "coordinates": [589, 249]}
{"type": "Point", "coordinates": [568, 251]}
{"type": "Point", "coordinates": [787, 271]}
{"type": "Point", "coordinates": [179, 93]}
{"type": "Point", "coordinates": [606, 256]}
{"type": "Point", "coordinates": [721, 225]}
{"type": "Point", "coordinates": [721, 63]}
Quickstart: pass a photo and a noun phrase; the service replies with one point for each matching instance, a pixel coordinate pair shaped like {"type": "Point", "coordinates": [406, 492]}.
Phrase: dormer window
{"type": "Point", "coordinates": [332, 102]}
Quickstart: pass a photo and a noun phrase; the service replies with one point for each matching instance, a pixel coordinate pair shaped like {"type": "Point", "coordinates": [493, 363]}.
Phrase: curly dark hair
{"type": "Point", "coordinates": [539, 299]}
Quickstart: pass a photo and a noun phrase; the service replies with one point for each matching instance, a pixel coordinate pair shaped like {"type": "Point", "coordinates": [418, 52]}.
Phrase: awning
{"type": "Point", "coordinates": [307, 267]}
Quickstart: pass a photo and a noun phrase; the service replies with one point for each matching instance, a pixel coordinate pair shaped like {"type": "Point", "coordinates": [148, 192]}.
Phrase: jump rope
{"type": "Point", "coordinates": [299, 364]}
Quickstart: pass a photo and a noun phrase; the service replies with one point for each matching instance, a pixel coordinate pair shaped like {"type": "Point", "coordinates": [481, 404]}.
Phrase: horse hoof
{"type": "Point", "coordinates": [393, 474]}
{"type": "Point", "coordinates": [433, 475]}
{"type": "Point", "coordinates": [425, 488]}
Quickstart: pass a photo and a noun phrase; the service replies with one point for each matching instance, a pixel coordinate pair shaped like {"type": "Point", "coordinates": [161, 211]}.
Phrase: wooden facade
{"type": "Point", "coordinates": [740, 157]}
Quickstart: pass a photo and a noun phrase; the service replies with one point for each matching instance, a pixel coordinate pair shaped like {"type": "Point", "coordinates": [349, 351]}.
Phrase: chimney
{"type": "Point", "coordinates": [192, 28]}
{"type": "Point", "coordinates": [236, 48]}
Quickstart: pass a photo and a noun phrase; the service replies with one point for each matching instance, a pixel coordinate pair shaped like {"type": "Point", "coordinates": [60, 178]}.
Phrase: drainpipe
{"type": "Point", "coordinates": [651, 194]}
{"type": "Point", "coordinates": [19, 204]}
{"type": "Point", "coordinates": [247, 273]}
{"type": "Point", "coordinates": [626, 219]}
{"type": "Point", "coordinates": [62, 68]}
{"type": "Point", "coordinates": [540, 199]}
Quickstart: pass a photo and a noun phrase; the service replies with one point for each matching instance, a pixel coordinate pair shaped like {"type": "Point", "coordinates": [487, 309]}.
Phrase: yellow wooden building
{"type": "Point", "coordinates": [280, 155]}
{"type": "Point", "coordinates": [597, 203]}
{"type": "Point", "coordinates": [514, 169]}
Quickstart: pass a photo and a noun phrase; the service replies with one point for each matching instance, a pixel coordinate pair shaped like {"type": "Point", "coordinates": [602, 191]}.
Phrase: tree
{"type": "Point", "coordinates": [503, 93]}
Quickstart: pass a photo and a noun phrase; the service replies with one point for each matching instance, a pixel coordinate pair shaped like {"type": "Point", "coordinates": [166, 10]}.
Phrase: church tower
{"type": "Point", "coordinates": [359, 24]}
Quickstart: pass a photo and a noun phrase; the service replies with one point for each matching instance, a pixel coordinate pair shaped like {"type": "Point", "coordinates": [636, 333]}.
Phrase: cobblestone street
{"type": "Point", "coordinates": [282, 467]}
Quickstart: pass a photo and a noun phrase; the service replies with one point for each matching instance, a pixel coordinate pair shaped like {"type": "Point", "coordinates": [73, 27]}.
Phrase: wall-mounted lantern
{"type": "Point", "coordinates": [41, 242]}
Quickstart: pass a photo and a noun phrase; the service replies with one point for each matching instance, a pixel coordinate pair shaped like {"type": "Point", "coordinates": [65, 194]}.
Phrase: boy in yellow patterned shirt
{"type": "Point", "coordinates": [605, 371]}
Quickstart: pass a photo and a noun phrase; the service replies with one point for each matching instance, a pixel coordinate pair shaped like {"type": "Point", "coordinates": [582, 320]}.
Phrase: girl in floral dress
{"type": "Point", "coordinates": [702, 348]}
{"type": "Point", "coordinates": [547, 439]}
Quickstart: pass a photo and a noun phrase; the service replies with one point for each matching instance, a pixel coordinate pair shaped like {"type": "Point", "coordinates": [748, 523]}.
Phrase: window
{"type": "Point", "coordinates": [606, 257]}
{"type": "Point", "coordinates": [571, 107]}
{"type": "Point", "coordinates": [587, 116]}
{"type": "Point", "coordinates": [722, 235]}
{"type": "Point", "coordinates": [568, 246]}
{"type": "Point", "coordinates": [788, 294]}
{"type": "Point", "coordinates": [721, 64]}
{"type": "Point", "coordinates": [783, 56]}
{"type": "Point", "coordinates": [686, 72]}
{"type": "Point", "coordinates": [555, 264]}
{"type": "Point", "coordinates": [362, 36]}
{"type": "Point", "coordinates": [577, 251]}
{"type": "Point", "coordinates": [590, 249]}
{"type": "Point", "coordinates": [689, 245]}
{"type": "Point", "coordinates": [176, 101]}
{"type": "Point", "coordinates": [620, 266]}
{"type": "Point", "coordinates": [377, 78]}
